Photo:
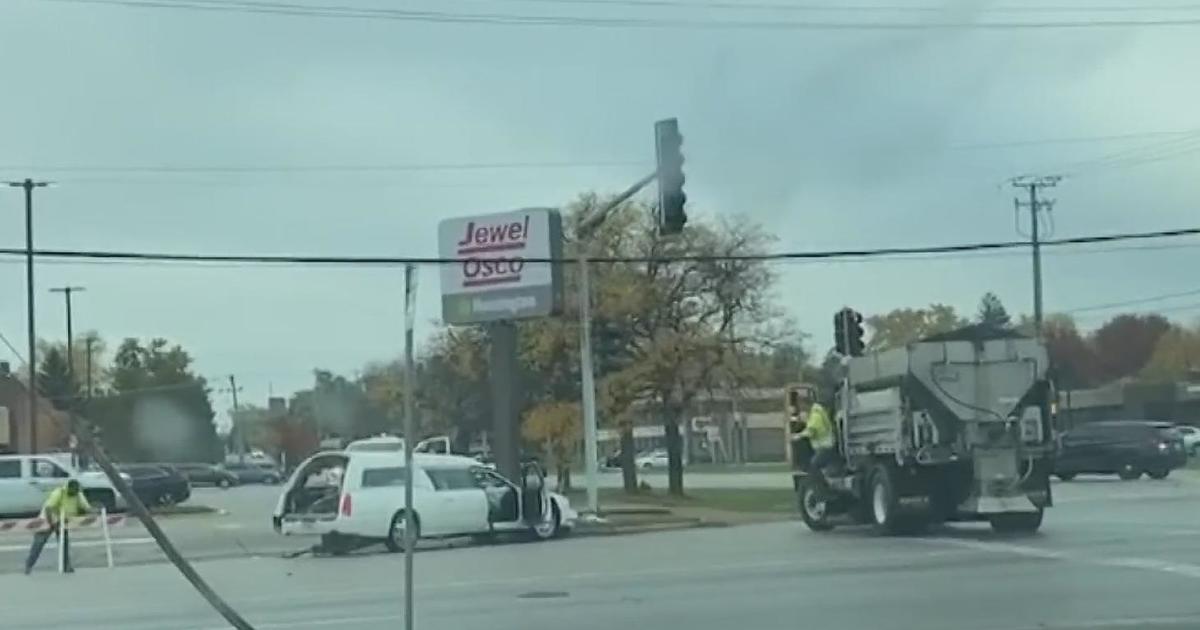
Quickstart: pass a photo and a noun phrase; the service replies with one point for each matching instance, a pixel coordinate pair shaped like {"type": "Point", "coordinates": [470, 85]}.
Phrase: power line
{"type": "Point", "coordinates": [1133, 302]}
{"type": "Point", "coordinates": [1017, 144]}
{"type": "Point", "coordinates": [387, 261]}
{"type": "Point", "coordinates": [310, 168]}
{"type": "Point", "coordinates": [511, 19]}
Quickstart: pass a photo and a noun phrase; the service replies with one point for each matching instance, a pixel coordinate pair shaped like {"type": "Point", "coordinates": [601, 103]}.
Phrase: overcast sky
{"type": "Point", "coordinates": [832, 138]}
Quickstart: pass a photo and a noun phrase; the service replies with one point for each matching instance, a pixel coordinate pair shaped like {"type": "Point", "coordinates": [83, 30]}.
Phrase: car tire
{"type": "Point", "coordinates": [224, 484]}
{"type": "Point", "coordinates": [102, 498]}
{"type": "Point", "coordinates": [166, 499]}
{"type": "Point", "coordinates": [548, 530]}
{"type": "Point", "coordinates": [814, 510]}
{"type": "Point", "coordinates": [1065, 476]}
{"type": "Point", "coordinates": [1129, 472]}
{"type": "Point", "coordinates": [1158, 474]}
{"type": "Point", "coordinates": [395, 536]}
{"type": "Point", "coordinates": [1016, 522]}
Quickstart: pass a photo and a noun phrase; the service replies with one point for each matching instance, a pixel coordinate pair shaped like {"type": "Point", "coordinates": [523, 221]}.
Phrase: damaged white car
{"type": "Point", "coordinates": [351, 498]}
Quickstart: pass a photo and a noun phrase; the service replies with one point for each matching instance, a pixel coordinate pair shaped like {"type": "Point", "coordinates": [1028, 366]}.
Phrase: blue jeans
{"type": "Point", "coordinates": [39, 542]}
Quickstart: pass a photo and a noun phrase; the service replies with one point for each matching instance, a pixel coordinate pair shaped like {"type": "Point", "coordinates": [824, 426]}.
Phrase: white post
{"type": "Point", "coordinates": [62, 548]}
{"type": "Point", "coordinates": [410, 540]}
{"type": "Point", "coordinates": [107, 539]}
{"type": "Point", "coordinates": [589, 384]}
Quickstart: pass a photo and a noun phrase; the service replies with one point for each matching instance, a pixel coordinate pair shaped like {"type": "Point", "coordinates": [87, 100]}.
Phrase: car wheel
{"type": "Point", "coordinates": [548, 528]}
{"type": "Point", "coordinates": [224, 484]}
{"type": "Point", "coordinates": [395, 536]}
{"type": "Point", "coordinates": [814, 509]}
{"type": "Point", "coordinates": [1016, 522]}
{"type": "Point", "coordinates": [103, 498]}
{"type": "Point", "coordinates": [1065, 476]}
{"type": "Point", "coordinates": [1159, 473]}
{"type": "Point", "coordinates": [166, 499]}
{"type": "Point", "coordinates": [1129, 472]}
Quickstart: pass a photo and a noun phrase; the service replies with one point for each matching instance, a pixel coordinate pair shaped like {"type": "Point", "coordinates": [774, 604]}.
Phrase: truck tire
{"type": "Point", "coordinates": [814, 510]}
{"type": "Point", "coordinates": [1158, 473]}
{"type": "Point", "coordinates": [1016, 522]}
{"type": "Point", "coordinates": [884, 499]}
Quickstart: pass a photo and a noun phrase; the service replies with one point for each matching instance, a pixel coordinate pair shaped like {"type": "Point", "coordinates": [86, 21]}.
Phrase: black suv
{"type": "Point", "coordinates": [1127, 448]}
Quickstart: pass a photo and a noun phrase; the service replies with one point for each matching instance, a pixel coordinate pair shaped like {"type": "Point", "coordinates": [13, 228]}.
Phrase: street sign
{"type": "Point", "coordinates": [491, 278]}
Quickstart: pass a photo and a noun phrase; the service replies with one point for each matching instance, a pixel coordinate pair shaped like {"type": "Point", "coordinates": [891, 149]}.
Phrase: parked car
{"type": "Point", "coordinates": [453, 495]}
{"type": "Point", "coordinates": [26, 481]}
{"type": "Point", "coordinates": [1126, 448]}
{"type": "Point", "coordinates": [157, 484]}
{"type": "Point", "coordinates": [255, 472]}
{"type": "Point", "coordinates": [656, 458]}
{"type": "Point", "coordinates": [207, 475]}
{"type": "Point", "coordinates": [1191, 438]}
{"type": "Point", "coordinates": [382, 443]}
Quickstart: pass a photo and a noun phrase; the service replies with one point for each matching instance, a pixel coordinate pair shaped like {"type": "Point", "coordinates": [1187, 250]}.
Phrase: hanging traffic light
{"type": "Point", "coordinates": [840, 344]}
{"type": "Point", "coordinates": [848, 332]}
{"type": "Point", "coordinates": [856, 334]}
{"type": "Point", "coordinates": [671, 198]}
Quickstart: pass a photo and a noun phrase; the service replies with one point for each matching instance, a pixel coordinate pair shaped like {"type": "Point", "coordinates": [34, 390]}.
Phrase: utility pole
{"type": "Point", "coordinates": [73, 401]}
{"type": "Point", "coordinates": [28, 185]}
{"type": "Point", "coordinates": [1032, 184]}
{"type": "Point", "coordinates": [67, 291]}
{"type": "Point", "coordinates": [237, 422]}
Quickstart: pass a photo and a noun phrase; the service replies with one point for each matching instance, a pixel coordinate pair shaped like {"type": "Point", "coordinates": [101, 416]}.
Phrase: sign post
{"type": "Point", "coordinates": [499, 275]}
{"type": "Point", "coordinates": [410, 316]}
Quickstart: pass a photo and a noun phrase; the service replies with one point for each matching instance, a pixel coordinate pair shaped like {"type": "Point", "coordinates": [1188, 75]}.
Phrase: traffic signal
{"type": "Point", "coordinates": [671, 199]}
{"type": "Point", "coordinates": [848, 332]}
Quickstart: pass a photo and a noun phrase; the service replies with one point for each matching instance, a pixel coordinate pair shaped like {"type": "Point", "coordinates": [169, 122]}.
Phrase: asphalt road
{"type": "Point", "coordinates": [1111, 555]}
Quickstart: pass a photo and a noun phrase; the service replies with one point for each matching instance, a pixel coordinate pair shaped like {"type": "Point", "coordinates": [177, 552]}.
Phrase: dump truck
{"type": "Point", "coordinates": [955, 427]}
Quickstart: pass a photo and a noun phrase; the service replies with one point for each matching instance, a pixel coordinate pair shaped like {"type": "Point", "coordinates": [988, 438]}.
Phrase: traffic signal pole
{"type": "Point", "coordinates": [591, 438]}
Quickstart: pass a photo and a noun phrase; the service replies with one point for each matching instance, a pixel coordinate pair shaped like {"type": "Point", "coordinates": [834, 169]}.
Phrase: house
{"type": "Point", "coordinates": [52, 426]}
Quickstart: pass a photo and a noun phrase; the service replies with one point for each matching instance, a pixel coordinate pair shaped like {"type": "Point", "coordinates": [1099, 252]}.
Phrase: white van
{"type": "Point", "coordinates": [26, 481]}
{"type": "Point", "coordinates": [359, 496]}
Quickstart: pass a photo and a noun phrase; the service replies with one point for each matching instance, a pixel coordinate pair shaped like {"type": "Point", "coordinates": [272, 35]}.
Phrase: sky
{"type": "Point", "coordinates": [830, 137]}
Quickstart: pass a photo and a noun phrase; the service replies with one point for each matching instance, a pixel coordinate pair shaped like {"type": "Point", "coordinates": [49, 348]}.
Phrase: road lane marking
{"type": "Point", "coordinates": [86, 543]}
{"type": "Point", "coordinates": [1148, 564]}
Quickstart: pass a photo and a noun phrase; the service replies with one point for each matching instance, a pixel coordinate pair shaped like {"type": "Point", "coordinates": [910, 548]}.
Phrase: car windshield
{"type": "Point", "coordinates": [834, 314]}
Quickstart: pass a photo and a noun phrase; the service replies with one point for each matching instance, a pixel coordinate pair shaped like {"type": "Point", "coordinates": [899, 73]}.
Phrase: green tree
{"type": "Point", "coordinates": [54, 379]}
{"type": "Point", "coordinates": [992, 311]}
{"type": "Point", "coordinates": [902, 326]}
{"type": "Point", "coordinates": [1176, 356]}
{"type": "Point", "coordinates": [155, 408]}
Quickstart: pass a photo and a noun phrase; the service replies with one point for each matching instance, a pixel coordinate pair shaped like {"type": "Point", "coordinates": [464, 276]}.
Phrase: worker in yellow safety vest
{"type": "Point", "coordinates": [818, 429]}
{"type": "Point", "coordinates": [63, 503]}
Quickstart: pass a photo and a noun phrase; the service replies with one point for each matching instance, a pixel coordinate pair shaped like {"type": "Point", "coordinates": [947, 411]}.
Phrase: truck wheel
{"type": "Point", "coordinates": [814, 508]}
{"type": "Point", "coordinates": [1016, 522]}
{"type": "Point", "coordinates": [885, 501]}
{"type": "Point", "coordinates": [1158, 473]}
{"type": "Point", "coordinates": [1129, 472]}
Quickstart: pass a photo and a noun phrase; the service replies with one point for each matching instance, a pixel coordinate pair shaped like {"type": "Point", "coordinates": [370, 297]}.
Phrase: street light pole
{"type": "Point", "coordinates": [28, 185]}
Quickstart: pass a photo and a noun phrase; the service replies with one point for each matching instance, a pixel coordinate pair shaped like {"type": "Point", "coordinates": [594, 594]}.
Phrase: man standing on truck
{"type": "Point", "coordinates": [818, 429]}
{"type": "Point", "coordinates": [62, 504]}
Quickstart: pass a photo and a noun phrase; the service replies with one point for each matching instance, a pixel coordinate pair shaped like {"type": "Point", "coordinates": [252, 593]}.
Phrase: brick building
{"type": "Point", "coordinates": [52, 427]}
